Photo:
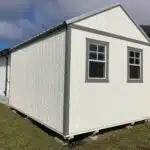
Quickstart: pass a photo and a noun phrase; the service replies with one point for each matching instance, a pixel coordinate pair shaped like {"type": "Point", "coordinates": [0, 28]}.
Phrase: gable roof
{"type": "Point", "coordinates": [76, 19]}
{"type": "Point", "coordinates": [90, 14]}
{"type": "Point", "coordinates": [98, 11]}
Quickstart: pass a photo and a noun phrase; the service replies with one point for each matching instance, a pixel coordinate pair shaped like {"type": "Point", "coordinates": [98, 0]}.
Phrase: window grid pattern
{"type": "Point", "coordinates": [135, 65]}
{"type": "Point", "coordinates": [134, 58]}
{"type": "Point", "coordinates": [98, 54]}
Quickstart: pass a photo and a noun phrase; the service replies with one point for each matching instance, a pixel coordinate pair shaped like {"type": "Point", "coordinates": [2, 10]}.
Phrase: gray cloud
{"type": "Point", "coordinates": [9, 31]}
{"type": "Point", "coordinates": [139, 10]}
{"type": "Point", "coordinates": [13, 9]}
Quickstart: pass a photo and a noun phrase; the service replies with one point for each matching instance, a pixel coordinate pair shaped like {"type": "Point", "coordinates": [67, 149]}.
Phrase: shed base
{"type": "Point", "coordinates": [78, 136]}
{"type": "Point", "coordinates": [38, 123]}
{"type": "Point", "coordinates": [99, 131]}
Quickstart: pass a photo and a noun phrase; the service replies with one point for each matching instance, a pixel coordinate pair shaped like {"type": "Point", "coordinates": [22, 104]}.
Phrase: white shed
{"type": "Point", "coordinates": [90, 73]}
{"type": "Point", "coordinates": [4, 74]}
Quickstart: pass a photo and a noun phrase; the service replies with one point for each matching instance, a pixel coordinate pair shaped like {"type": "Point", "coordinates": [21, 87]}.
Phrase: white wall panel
{"type": "Point", "coordinates": [8, 75]}
{"type": "Point", "coordinates": [37, 80]}
{"type": "Point", "coordinates": [101, 105]}
{"type": "Point", "coordinates": [2, 75]}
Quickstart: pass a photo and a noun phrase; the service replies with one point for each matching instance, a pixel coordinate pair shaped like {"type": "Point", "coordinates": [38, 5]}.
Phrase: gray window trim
{"type": "Point", "coordinates": [128, 71]}
{"type": "Point", "coordinates": [87, 79]}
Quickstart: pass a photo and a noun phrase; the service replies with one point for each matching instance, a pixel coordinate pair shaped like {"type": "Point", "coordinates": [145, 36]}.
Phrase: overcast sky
{"type": "Point", "coordinates": [22, 19]}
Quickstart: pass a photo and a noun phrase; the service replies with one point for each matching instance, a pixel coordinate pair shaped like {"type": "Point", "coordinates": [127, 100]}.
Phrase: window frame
{"type": "Point", "coordinates": [132, 80]}
{"type": "Point", "coordinates": [103, 43]}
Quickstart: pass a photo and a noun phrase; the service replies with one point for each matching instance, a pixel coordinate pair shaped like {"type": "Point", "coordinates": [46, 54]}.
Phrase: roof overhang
{"type": "Point", "coordinates": [5, 52]}
{"type": "Point", "coordinates": [40, 36]}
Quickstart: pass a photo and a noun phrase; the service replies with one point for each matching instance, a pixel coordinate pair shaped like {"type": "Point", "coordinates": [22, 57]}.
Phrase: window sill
{"type": "Point", "coordinates": [97, 80]}
{"type": "Point", "coordinates": [134, 81]}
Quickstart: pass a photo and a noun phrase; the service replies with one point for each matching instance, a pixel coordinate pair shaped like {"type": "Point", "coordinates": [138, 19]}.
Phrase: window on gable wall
{"type": "Point", "coordinates": [135, 65]}
{"type": "Point", "coordinates": [97, 61]}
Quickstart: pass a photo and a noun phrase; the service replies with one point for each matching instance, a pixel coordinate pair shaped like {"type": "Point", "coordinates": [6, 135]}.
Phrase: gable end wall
{"type": "Point", "coordinates": [114, 21]}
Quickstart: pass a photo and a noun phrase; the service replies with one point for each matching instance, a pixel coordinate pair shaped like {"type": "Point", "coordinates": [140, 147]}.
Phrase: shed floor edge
{"type": "Point", "coordinates": [71, 136]}
{"type": "Point", "coordinates": [40, 122]}
{"type": "Point", "coordinates": [108, 127]}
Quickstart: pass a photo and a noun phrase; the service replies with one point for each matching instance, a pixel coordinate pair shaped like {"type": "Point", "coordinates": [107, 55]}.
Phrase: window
{"type": "Point", "coordinates": [97, 61]}
{"type": "Point", "coordinates": [135, 65]}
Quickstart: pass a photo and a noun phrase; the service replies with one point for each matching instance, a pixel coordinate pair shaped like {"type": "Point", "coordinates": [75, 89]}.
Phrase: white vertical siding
{"type": "Point", "coordinates": [2, 75]}
{"type": "Point", "coordinates": [37, 80]}
{"type": "Point", "coordinates": [8, 75]}
{"type": "Point", "coordinates": [101, 105]}
{"type": "Point", "coordinates": [114, 21]}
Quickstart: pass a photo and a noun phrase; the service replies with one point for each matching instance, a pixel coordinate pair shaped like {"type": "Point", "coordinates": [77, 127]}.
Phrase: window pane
{"type": "Point", "coordinates": [93, 47]}
{"type": "Point", "coordinates": [134, 72]}
{"type": "Point", "coordinates": [137, 61]}
{"type": "Point", "coordinates": [137, 55]}
{"type": "Point", "coordinates": [131, 54]}
{"type": "Point", "coordinates": [101, 49]}
{"type": "Point", "coordinates": [101, 57]}
{"type": "Point", "coordinates": [96, 69]}
{"type": "Point", "coordinates": [93, 56]}
{"type": "Point", "coordinates": [131, 60]}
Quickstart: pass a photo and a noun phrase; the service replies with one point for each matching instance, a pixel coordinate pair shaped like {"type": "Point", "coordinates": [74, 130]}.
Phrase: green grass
{"type": "Point", "coordinates": [17, 133]}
